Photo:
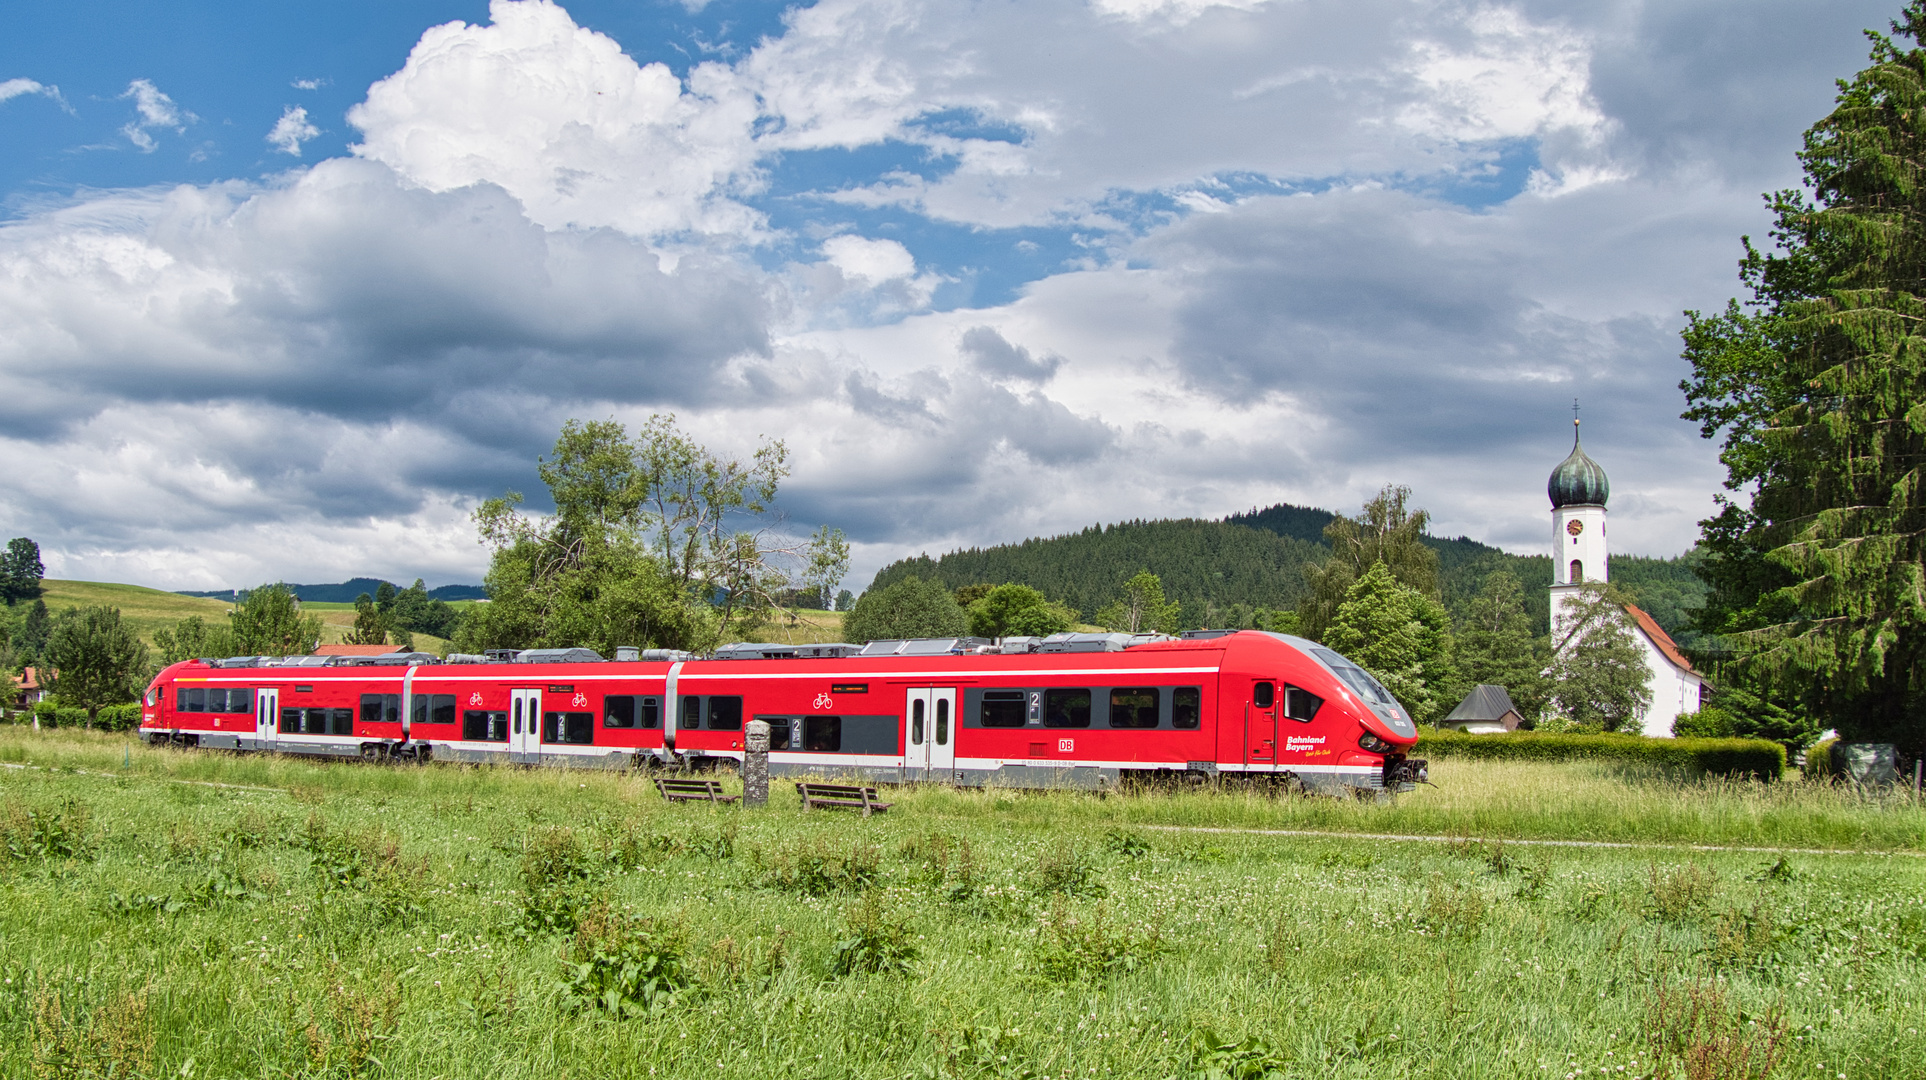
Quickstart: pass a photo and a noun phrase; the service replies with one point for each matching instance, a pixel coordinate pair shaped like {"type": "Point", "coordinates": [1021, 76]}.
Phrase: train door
{"type": "Point", "coordinates": [1260, 728]}
{"type": "Point", "coordinates": [929, 744]}
{"type": "Point", "coordinates": [267, 709]}
{"type": "Point", "coordinates": [524, 726]}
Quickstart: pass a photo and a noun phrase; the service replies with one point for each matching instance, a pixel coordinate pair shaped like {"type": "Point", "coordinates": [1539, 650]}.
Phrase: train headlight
{"type": "Point", "coordinates": [1373, 744]}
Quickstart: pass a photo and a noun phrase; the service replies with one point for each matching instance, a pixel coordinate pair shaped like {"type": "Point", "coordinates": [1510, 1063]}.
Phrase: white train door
{"type": "Point", "coordinates": [929, 745]}
{"type": "Point", "coordinates": [267, 711]}
{"type": "Point", "coordinates": [525, 726]}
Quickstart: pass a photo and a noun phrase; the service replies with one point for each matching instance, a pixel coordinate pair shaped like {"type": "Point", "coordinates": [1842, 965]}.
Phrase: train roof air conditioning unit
{"type": "Point", "coordinates": [1063, 643]}
{"type": "Point", "coordinates": [558, 656]}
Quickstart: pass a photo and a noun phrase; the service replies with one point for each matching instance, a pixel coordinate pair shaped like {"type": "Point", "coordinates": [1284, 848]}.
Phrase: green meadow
{"type": "Point", "coordinates": [196, 914]}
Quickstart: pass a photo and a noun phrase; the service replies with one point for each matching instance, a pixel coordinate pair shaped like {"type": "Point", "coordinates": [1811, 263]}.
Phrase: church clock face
{"type": "Point", "coordinates": [1574, 527]}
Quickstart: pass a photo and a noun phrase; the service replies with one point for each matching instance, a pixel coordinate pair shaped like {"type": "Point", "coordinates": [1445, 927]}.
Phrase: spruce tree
{"type": "Point", "coordinates": [1496, 645]}
{"type": "Point", "coordinates": [1401, 636]}
{"type": "Point", "coordinates": [1818, 387]}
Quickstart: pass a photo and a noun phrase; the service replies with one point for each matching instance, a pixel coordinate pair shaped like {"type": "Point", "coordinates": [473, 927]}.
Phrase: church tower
{"type": "Point", "coordinates": [1578, 490]}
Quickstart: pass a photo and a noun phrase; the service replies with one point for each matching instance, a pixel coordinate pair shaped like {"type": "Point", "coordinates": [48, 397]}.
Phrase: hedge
{"type": "Point", "coordinates": [110, 718]}
{"type": "Point", "coordinates": [1720, 757]}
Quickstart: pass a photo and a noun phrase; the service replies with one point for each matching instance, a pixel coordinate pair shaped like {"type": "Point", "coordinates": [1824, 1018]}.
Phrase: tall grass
{"type": "Point", "coordinates": [357, 921]}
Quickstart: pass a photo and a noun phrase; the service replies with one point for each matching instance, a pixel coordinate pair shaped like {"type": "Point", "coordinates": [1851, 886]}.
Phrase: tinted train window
{"type": "Point", "coordinates": [381, 708]}
{"type": "Point", "coordinates": [943, 722]}
{"type": "Point", "coordinates": [240, 701]}
{"type": "Point", "coordinates": [1264, 695]}
{"type": "Point", "coordinates": [691, 713]}
{"type": "Point", "coordinates": [1186, 707]}
{"type": "Point", "coordinates": [1301, 704]}
{"type": "Point", "coordinates": [186, 700]}
{"type": "Point", "coordinates": [568, 727]}
{"type": "Point", "coordinates": [479, 725]}
{"type": "Point", "coordinates": [778, 731]}
{"type": "Point", "coordinates": [430, 708]}
{"type": "Point", "coordinates": [1066, 708]}
{"type": "Point", "coordinates": [1002, 708]}
{"type": "Point", "coordinates": [340, 721]}
{"type": "Point", "coordinates": [1133, 708]}
{"type": "Point", "coordinates": [725, 714]}
{"type": "Point", "coordinates": [823, 733]}
{"type": "Point", "coordinates": [628, 711]}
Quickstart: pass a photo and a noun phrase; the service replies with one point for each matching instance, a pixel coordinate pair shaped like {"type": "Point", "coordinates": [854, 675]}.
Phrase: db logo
{"type": "Point", "coordinates": [1066, 746]}
{"type": "Point", "coordinates": [580, 701]}
{"type": "Point", "coordinates": [824, 701]}
{"type": "Point", "coordinates": [475, 698]}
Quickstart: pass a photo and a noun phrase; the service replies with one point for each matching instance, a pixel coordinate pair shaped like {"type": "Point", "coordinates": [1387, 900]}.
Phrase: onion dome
{"type": "Point", "coordinates": [1578, 480]}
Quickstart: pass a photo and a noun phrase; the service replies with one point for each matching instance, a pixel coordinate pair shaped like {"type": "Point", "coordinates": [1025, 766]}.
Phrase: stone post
{"type": "Point", "coordinates": [755, 763]}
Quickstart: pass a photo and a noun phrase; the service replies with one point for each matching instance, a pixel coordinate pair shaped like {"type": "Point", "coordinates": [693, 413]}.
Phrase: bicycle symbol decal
{"type": "Point", "coordinates": [475, 698]}
{"type": "Point", "coordinates": [824, 701]}
{"type": "Point", "coordinates": [580, 701]}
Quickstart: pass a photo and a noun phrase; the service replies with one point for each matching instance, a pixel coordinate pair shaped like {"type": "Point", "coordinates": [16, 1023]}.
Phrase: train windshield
{"type": "Point", "coordinates": [1356, 678]}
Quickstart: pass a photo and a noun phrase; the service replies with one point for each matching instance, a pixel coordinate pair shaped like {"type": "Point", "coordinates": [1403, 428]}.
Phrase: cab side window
{"type": "Point", "coordinates": [1301, 704]}
{"type": "Point", "coordinates": [1264, 695]}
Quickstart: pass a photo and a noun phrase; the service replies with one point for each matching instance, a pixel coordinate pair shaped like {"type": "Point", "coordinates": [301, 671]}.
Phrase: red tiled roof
{"type": "Point", "coordinates": [1660, 638]}
{"type": "Point", "coordinates": [353, 650]}
{"type": "Point", "coordinates": [30, 679]}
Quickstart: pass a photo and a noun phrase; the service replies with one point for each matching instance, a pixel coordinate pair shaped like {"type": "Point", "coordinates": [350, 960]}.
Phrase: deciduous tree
{"type": "Point", "coordinates": [1017, 611]}
{"type": "Point", "coordinates": [1599, 678]}
{"type": "Point", "coordinates": [910, 608]}
{"type": "Point", "coordinates": [95, 659]}
{"type": "Point", "coordinates": [20, 570]}
{"type": "Point", "coordinates": [370, 623]}
{"type": "Point", "coordinates": [1142, 608]}
{"type": "Point", "coordinates": [193, 638]}
{"type": "Point", "coordinates": [1818, 389]}
{"type": "Point", "coordinates": [1387, 531]}
{"type": "Point", "coordinates": [269, 623]}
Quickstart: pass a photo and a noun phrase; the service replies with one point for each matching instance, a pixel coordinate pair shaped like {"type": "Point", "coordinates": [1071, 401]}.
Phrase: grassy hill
{"type": "Point", "coordinates": [148, 610]}
{"type": "Point", "coordinates": [1258, 560]}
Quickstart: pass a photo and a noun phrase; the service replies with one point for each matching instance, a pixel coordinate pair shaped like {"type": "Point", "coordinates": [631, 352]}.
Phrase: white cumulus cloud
{"type": "Point", "coordinates": [566, 122]}
{"type": "Point", "coordinates": [292, 130]}
{"type": "Point", "coordinates": [871, 261]}
{"type": "Point", "coordinates": [156, 110]}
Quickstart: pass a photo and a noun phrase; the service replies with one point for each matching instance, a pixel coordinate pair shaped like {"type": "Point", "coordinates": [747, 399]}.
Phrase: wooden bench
{"type": "Point", "coordinates": [840, 797]}
{"type": "Point", "coordinates": [693, 790]}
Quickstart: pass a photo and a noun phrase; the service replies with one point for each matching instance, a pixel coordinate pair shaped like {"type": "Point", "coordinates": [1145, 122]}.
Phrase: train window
{"type": "Point", "coordinates": [1301, 704]}
{"type": "Point", "coordinates": [692, 713]}
{"type": "Point", "coordinates": [943, 721]}
{"type": "Point", "coordinates": [340, 721]}
{"type": "Point", "coordinates": [651, 713]}
{"type": "Point", "coordinates": [725, 713]}
{"type": "Point", "coordinates": [443, 709]}
{"type": "Point", "coordinates": [1133, 707]}
{"type": "Point", "coordinates": [916, 722]}
{"type": "Point", "coordinates": [380, 708]}
{"type": "Point", "coordinates": [481, 725]}
{"type": "Point", "coordinates": [190, 700]}
{"type": "Point", "coordinates": [291, 721]}
{"type": "Point", "coordinates": [240, 701]}
{"type": "Point", "coordinates": [568, 727]}
{"type": "Point", "coordinates": [1066, 708]}
{"type": "Point", "coordinates": [823, 733]}
{"type": "Point", "coordinates": [618, 711]}
{"type": "Point", "coordinates": [1264, 695]}
{"type": "Point", "coordinates": [1001, 708]}
{"type": "Point", "coordinates": [1186, 707]}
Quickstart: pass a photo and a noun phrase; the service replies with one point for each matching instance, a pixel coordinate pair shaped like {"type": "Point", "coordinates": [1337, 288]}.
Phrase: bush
{"type": "Point", "coordinates": [1710, 722]}
{"type": "Point", "coordinates": [1719, 757]}
{"type": "Point", "coordinates": [1819, 763]}
{"type": "Point", "coordinates": [908, 609]}
{"type": "Point", "coordinates": [118, 717]}
{"type": "Point", "coordinates": [51, 714]}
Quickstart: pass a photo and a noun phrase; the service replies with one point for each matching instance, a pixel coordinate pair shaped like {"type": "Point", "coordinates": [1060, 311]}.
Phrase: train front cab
{"type": "Point", "coordinates": [1296, 712]}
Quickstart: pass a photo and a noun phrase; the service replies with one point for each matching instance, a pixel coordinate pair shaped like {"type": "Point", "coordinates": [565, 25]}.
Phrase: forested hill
{"type": "Point", "coordinates": [1220, 569]}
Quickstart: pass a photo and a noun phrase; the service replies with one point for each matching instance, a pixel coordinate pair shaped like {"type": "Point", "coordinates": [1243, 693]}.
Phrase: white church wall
{"type": "Point", "coordinates": [1673, 691]}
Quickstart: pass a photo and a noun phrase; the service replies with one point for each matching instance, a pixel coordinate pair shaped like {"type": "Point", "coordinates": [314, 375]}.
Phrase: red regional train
{"type": "Point", "coordinates": [1074, 710]}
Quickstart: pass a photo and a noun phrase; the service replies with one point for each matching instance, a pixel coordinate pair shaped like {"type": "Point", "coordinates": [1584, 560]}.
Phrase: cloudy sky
{"type": "Point", "coordinates": [286, 288]}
